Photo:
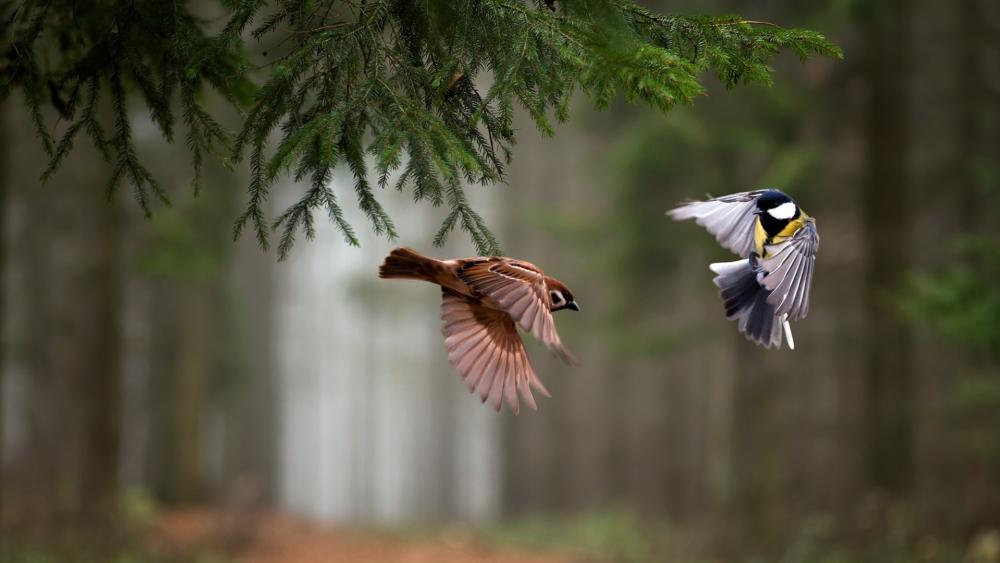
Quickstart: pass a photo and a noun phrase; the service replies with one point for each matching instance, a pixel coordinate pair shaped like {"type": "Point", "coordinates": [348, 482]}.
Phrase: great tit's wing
{"type": "Point", "coordinates": [730, 218]}
{"type": "Point", "coordinates": [484, 347]}
{"type": "Point", "coordinates": [520, 289]}
{"type": "Point", "coordinates": [788, 270]}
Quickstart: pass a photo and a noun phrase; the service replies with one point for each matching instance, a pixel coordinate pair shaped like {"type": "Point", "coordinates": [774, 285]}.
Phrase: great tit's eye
{"type": "Point", "coordinates": [557, 298]}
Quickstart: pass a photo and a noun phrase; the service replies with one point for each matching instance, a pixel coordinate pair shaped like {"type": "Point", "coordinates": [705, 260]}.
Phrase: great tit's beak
{"type": "Point", "coordinates": [757, 211]}
{"type": "Point", "coordinates": [573, 305]}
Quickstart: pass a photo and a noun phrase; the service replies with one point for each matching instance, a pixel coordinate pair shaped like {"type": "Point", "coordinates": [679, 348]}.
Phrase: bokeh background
{"type": "Point", "coordinates": [236, 408]}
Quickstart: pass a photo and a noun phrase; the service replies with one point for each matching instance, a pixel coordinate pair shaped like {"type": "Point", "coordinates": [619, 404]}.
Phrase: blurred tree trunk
{"type": "Point", "coordinates": [978, 131]}
{"type": "Point", "coordinates": [104, 391]}
{"type": "Point", "coordinates": [185, 364]}
{"type": "Point", "coordinates": [194, 359]}
{"type": "Point", "coordinates": [251, 448]}
{"type": "Point", "coordinates": [3, 310]}
{"type": "Point", "coordinates": [199, 356]}
{"type": "Point", "coordinates": [63, 475]}
{"type": "Point", "coordinates": [971, 92]}
{"type": "Point", "coordinates": [885, 214]}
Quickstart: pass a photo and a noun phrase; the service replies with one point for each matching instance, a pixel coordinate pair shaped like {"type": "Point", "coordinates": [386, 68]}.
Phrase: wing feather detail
{"type": "Point", "coordinates": [730, 218]}
{"type": "Point", "coordinates": [520, 290]}
{"type": "Point", "coordinates": [789, 270]}
{"type": "Point", "coordinates": [485, 348]}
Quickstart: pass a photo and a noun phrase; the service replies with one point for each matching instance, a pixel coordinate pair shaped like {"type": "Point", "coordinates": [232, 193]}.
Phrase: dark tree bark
{"type": "Point", "coordinates": [885, 214]}
{"type": "Point", "coordinates": [977, 145]}
{"type": "Point", "coordinates": [62, 477]}
{"type": "Point", "coordinates": [252, 421]}
{"type": "Point", "coordinates": [971, 99]}
{"type": "Point", "coordinates": [3, 309]}
{"type": "Point", "coordinates": [194, 363]}
{"type": "Point", "coordinates": [104, 394]}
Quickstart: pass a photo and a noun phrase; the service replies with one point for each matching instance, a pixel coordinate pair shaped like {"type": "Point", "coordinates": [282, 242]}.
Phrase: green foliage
{"type": "Point", "coordinates": [974, 408]}
{"type": "Point", "coordinates": [185, 244]}
{"type": "Point", "coordinates": [962, 302]}
{"type": "Point", "coordinates": [422, 92]}
{"type": "Point", "coordinates": [66, 57]}
{"type": "Point", "coordinates": [599, 536]}
{"type": "Point", "coordinates": [623, 537]}
{"type": "Point", "coordinates": [816, 540]}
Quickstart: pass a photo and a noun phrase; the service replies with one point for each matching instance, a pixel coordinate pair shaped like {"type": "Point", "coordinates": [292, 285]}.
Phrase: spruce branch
{"type": "Point", "coordinates": [419, 96]}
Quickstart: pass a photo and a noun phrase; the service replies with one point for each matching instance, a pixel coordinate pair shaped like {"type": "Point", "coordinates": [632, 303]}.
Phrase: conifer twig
{"type": "Point", "coordinates": [385, 87]}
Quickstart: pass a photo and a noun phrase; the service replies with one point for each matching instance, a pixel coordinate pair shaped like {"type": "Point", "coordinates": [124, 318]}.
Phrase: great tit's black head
{"type": "Point", "coordinates": [560, 296]}
{"type": "Point", "coordinates": [777, 206]}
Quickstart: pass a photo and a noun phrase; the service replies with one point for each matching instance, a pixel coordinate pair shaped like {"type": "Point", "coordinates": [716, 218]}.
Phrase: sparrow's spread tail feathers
{"type": "Point", "coordinates": [745, 300]}
{"type": "Point", "coordinates": [406, 263]}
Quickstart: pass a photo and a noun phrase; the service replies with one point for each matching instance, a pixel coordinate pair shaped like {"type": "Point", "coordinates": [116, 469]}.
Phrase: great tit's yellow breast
{"type": "Point", "coordinates": [759, 237]}
{"type": "Point", "coordinates": [790, 229]}
{"type": "Point", "coordinates": [793, 226]}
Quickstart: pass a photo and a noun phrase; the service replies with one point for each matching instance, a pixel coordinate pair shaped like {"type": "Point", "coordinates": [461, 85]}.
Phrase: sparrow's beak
{"type": "Point", "coordinates": [573, 305]}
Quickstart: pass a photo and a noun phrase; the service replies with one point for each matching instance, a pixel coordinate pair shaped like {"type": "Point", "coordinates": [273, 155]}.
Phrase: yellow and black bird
{"type": "Point", "coordinates": [771, 285]}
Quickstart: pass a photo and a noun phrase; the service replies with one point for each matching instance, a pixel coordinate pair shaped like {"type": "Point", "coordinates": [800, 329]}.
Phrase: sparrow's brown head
{"type": "Point", "coordinates": [560, 296]}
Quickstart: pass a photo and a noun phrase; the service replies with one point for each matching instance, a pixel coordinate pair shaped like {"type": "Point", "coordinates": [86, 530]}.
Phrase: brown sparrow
{"type": "Point", "coordinates": [483, 298]}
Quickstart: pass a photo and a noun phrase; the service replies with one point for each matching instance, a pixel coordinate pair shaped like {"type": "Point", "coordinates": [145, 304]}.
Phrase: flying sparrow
{"type": "Point", "coordinates": [771, 286]}
{"type": "Point", "coordinates": [483, 298]}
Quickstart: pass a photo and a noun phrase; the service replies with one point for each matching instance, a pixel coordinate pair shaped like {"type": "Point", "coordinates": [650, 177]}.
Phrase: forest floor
{"type": "Point", "coordinates": [267, 537]}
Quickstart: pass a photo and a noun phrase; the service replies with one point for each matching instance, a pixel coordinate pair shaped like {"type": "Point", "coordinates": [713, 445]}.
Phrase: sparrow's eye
{"type": "Point", "coordinates": [557, 298]}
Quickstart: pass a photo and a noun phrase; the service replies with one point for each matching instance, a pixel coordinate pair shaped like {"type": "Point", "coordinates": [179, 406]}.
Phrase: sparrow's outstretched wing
{"type": "Point", "coordinates": [789, 271]}
{"type": "Point", "coordinates": [730, 218]}
{"type": "Point", "coordinates": [485, 348]}
{"type": "Point", "coordinates": [520, 289]}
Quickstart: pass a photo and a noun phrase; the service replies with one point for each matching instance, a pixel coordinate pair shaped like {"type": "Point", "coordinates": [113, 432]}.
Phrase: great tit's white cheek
{"type": "Point", "coordinates": [784, 211]}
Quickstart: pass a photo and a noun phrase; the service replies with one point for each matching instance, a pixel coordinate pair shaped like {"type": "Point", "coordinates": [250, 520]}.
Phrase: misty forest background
{"type": "Point", "coordinates": [151, 364]}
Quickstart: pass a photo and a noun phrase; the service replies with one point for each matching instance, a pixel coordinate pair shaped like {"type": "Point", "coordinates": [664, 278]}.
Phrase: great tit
{"type": "Point", "coordinates": [771, 285]}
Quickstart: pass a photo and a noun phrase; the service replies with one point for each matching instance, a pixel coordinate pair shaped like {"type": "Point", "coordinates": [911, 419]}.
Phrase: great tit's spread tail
{"type": "Point", "coordinates": [745, 300]}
